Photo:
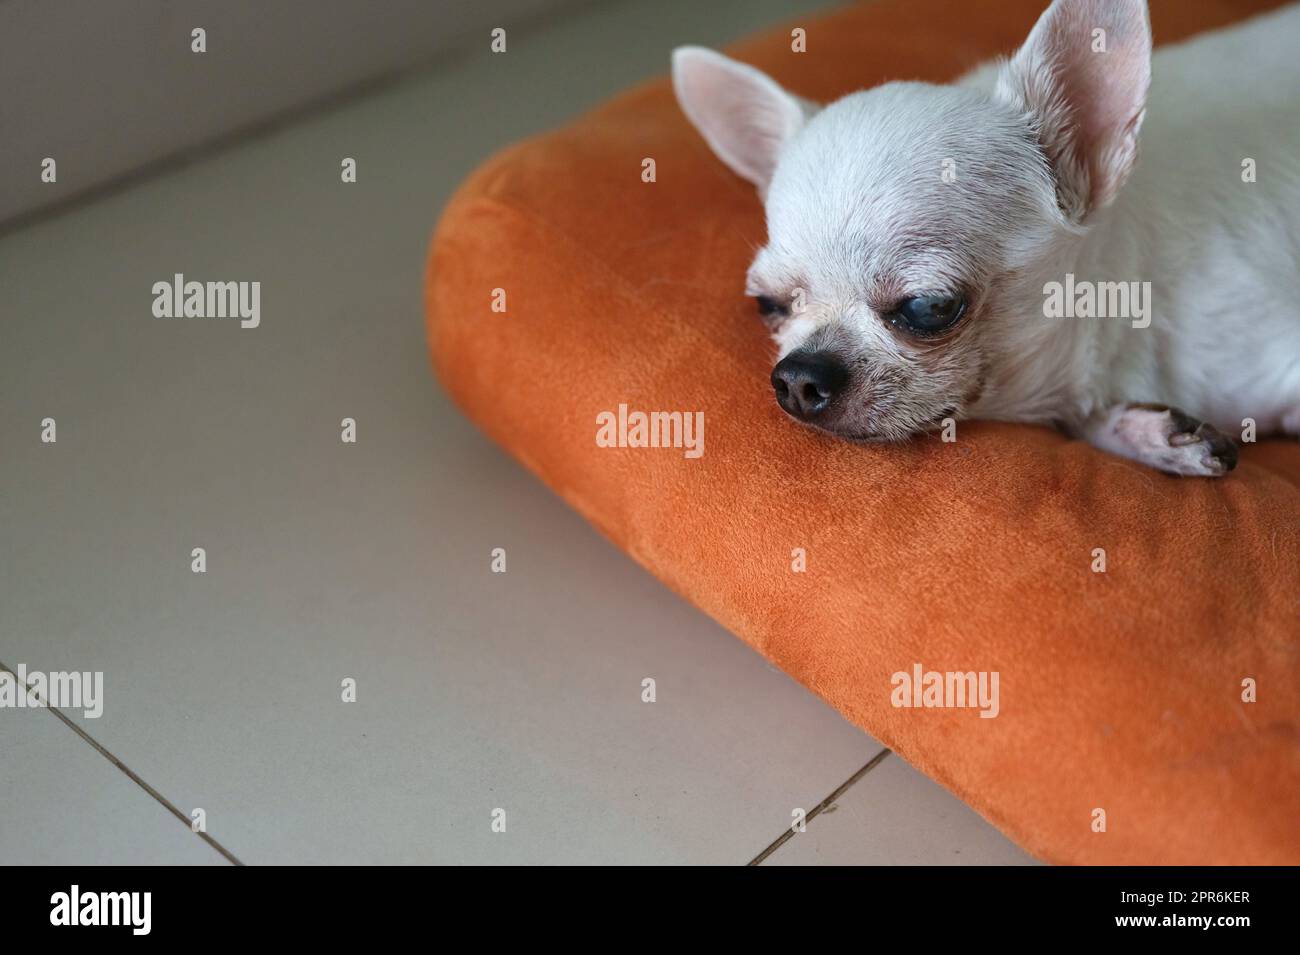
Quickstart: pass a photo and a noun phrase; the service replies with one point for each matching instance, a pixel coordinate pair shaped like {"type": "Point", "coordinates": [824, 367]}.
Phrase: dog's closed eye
{"type": "Point", "coordinates": [771, 308]}
{"type": "Point", "coordinates": [928, 315]}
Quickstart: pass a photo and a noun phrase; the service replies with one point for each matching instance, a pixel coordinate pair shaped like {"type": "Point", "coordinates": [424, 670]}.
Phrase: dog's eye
{"type": "Point", "coordinates": [770, 307]}
{"type": "Point", "coordinates": [929, 314]}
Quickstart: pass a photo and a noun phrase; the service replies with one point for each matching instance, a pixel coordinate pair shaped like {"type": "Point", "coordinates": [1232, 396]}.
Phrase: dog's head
{"type": "Point", "coordinates": [906, 223]}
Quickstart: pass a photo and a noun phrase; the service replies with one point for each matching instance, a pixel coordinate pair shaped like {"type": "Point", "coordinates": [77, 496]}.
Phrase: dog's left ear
{"type": "Point", "coordinates": [1082, 77]}
{"type": "Point", "coordinates": [743, 114]}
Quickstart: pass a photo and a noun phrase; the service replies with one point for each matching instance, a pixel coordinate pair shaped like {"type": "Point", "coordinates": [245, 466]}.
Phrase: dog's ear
{"type": "Point", "coordinates": [1082, 77]}
{"type": "Point", "coordinates": [743, 114]}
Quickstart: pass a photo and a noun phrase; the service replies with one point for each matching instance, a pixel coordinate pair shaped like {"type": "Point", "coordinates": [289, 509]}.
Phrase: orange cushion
{"type": "Point", "coordinates": [1119, 691]}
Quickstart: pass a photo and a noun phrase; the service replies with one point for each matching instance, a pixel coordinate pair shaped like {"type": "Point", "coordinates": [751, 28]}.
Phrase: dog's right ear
{"type": "Point", "coordinates": [1082, 79]}
{"type": "Point", "coordinates": [743, 114]}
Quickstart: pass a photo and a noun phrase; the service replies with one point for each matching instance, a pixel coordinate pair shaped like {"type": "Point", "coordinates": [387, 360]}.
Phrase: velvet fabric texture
{"type": "Point", "coordinates": [1120, 692]}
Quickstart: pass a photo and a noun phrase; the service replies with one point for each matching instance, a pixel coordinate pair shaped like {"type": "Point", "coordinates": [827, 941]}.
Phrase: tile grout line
{"type": "Point", "coordinates": [824, 804]}
{"type": "Point", "coordinates": [129, 773]}
{"type": "Point", "coordinates": [263, 128]}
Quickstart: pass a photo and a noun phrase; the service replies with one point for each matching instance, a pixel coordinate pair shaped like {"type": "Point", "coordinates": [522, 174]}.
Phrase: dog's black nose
{"type": "Point", "coordinates": [807, 382]}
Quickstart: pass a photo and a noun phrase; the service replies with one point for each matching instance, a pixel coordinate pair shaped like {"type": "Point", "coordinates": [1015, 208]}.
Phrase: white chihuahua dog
{"type": "Point", "coordinates": [981, 250]}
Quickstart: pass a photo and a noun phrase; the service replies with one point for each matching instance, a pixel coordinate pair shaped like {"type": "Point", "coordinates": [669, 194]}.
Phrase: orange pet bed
{"type": "Point", "coordinates": [1148, 712]}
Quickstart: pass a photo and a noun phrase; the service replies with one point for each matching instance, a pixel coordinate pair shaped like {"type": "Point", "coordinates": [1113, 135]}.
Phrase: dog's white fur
{"type": "Point", "coordinates": [1044, 150]}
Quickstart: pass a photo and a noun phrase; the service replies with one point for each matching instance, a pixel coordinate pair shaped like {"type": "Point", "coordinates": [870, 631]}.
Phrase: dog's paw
{"type": "Point", "coordinates": [1176, 443]}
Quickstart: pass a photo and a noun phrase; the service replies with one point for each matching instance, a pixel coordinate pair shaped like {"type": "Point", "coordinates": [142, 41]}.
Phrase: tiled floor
{"type": "Point", "coordinates": [327, 561]}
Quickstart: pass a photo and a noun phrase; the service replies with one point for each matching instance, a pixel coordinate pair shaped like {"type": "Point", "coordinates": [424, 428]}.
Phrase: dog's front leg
{"type": "Point", "coordinates": [1163, 438]}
